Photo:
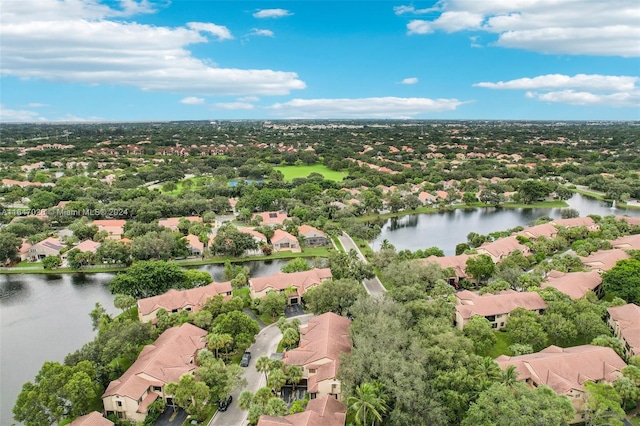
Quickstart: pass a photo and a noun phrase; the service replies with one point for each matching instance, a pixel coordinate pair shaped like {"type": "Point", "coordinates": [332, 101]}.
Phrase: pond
{"type": "Point", "coordinates": [446, 230]}
{"type": "Point", "coordinates": [44, 317]}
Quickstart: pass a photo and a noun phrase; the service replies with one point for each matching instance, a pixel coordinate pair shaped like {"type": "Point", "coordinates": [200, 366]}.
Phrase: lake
{"type": "Point", "coordinates": [44, 317]}
{"type": "Point", "coordinates": [446, 230]}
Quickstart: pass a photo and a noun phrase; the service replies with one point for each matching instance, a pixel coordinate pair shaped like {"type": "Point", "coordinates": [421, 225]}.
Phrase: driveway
{"type": "Point", "coordinates": [293, 310]}
{"type": "Point", "coordinates": [373, 286]}
{"type": "Point", "coordinates": [266, 344]}
{"type": "Point", "coordinates": [166, 420]}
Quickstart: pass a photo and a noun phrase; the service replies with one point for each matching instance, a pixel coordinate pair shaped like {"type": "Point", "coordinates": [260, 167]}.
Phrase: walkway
{"type": "Point", "coordinates": [373, 286]}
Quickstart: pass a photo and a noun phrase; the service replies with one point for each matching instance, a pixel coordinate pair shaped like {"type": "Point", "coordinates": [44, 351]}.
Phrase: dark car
{"type": "Point", "coordinates": [246, 357]}
{"type": "Point", "coordinates": [225, 403]}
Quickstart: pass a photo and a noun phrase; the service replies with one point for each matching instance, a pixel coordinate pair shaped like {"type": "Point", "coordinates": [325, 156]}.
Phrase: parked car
{"type": "Point", "coordinates": [225, 403]}
{"type": "Point", "coordinates": [246, 357]}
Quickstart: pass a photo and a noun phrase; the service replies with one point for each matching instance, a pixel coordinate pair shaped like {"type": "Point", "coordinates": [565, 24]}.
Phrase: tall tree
{"type": "Point", "coordinates": [368, 404]}
{"type": "Point", "coordinates": [149, 278]}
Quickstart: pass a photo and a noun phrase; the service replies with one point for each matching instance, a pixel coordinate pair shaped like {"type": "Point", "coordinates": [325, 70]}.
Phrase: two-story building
{"type": "Point", "coordinates": [323, 411]}
{"type": "Point", "coordinates": [298, 282]}
{"type": "Point", "coordinates": [501, 248]}
{"type": "Point", "coordinates": [322, 342]}
{"type": "Point", "coordinates": [164, 361]}
{"type": "Point", "coordinates": [565, 370]}
{"type": "Point", "coordinates": [625, 322]}
{"type": "Point", "coordinates": [457, 265]}
{"type": "Point", "coordinates": [190, 300]}
{"type": "Point", "coordinates": [603, 260]}
{"type": "Point", "coordinates": [496, 308]}
{"type": "Point", "coordinates": [574, 284]}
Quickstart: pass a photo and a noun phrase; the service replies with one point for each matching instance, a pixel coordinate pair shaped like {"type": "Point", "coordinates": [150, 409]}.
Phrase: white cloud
{"type": "Point", "coordinates": [88, 48]}
{"type": "Point", "coordinates": [580, 89]}
{"type": "Point", "coordinates": [192, 100]}
{"type": "Point", "coordinates": [401, 10]}
{"type": "Point", "coordinates": [261, 33]}
{"type": "Point", "coordinates": [248, 99]}
{"type": "Point", "coordinates": [571, 97]}
{"type": "Point", "coordinates": [219, 31]}
{"type": "Point", "coordinates": [233, 105]}
{"type": "Point", "coordinates": [409, 80]}
{"type": "Point", "coordinates": [579, 27]}
{"type": "Point", "coordinates": [579, 81]}
{"type": "Point", "coordinates": [271, 13]}
{"type": "Point", "coordinates": [385, 107]}
{"type": "Point", "coordinates": [14, 115]}
{"type": "Point", "coordinates": [36, 105]}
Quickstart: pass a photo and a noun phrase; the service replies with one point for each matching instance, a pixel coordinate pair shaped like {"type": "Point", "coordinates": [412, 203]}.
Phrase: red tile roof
{"type": "Point", "coordinates": [603, 260]}
{"type": "Point", "coordinates": [458, 263]}
{"type": "Point", "coordinates": [168, 358]}
{"type": "Point", "coordinates": [630, 242]}
{"type": "Point", "coordinates": [566, 369]}
{"type": "Point", "coordinates": [301, 280]}
{"type": "Point", "coordinates": [178, 299]}
{"type": "Point", "coordinates": [324, 411]}
{"type": "Point", "coordinates": [471, 304]}
{"type": "Point", "coordinates": [574, 284]}
{"type": "Point", "coordinates": [272, 218]}
{"type": "Point", "coordinates": [628, 319]}
{"type": "Point", "coordinates": [325, 337]}
{"type": "Point", "coordinates": [92, 419]}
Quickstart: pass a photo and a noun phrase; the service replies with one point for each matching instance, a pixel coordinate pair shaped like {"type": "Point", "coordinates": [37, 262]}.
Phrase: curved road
{"type": "Point", "coordinates": [373, 286]}
{"type": "Point", "coordinates": [266, 344]}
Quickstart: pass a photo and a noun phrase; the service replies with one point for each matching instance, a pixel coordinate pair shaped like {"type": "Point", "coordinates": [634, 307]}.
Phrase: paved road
{"type": "Point", "coordinates": [266, 344]}
{"type": "Point", "coordinates": [373, 286]}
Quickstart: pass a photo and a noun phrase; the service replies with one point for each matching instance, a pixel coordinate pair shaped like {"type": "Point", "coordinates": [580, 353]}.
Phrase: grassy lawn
{"type": "Point", "coordinates": [27, 264]}
{"type": "Point", "coordinates": [292, 172]}
{"type": "Point", "coordinates": [635, 420]}
{"type": "Point", "coordinates": [364, 247]}
{"type": "Point", "coordinates": [337, 242]}
{"type": "Point", "coordinates": [501, 346]}
{"type": "Point", "coordinates": [280, 347]}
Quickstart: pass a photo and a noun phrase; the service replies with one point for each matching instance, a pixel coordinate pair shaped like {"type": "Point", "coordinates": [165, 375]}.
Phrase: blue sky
{"type": "Point", "coordinates": [133, 60]}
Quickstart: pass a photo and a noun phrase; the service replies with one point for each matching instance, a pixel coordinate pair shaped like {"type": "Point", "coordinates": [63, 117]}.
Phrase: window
{"type": "Point", "coordinates": [156, 388]}
{"type": "Point", "coordinates": [312, 371]}
{"type": "Point", "coordinates": [494, 325]}
{"type": "Point", "coordinates": [502, 324]}
{"type": "Point", "coordinates": [491, 318]}
{"type": "Point", "coordinates": [119, 403]}
{"type": "Point", "coordinates": [273, 215]}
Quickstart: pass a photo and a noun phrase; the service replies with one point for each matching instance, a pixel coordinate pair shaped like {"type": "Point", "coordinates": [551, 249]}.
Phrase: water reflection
{"type": "Point", "coordinates": [446, 230]}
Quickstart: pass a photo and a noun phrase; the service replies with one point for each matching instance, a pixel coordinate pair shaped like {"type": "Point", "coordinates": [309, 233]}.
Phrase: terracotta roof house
{"type": "Point", "coordinates": [574, 284]}
{"type": "Point", "coordinates": [312, 237]}
{"type": "Point", "coordinates": [457, 263]}
{"type": "Point", "coordinates": [630, 220]}
{"type": "Point", "coordinates": [625, 322]}
{"type": "Point", "coordinates": [603, 260]}
{"type": "Point", "coordinates": [501, 248]}
{"type": "Point", "coordinates": [49, 247]}
{"type": "Point", "coordinates": [566, 370]}
{"type": "Point", "coordinates": [630, 242]}
{"type": "Point", "coordinates": [324, 411]}
{"type": "Point", "coordinates": [92, 419]}
{"type": "Point", "coordinates": [174, 300]}
{"type": "Point", "coordinates": [195, 246]}
{"type": "Point", "coordinates": [114, 227]}
{"type": "Point", "coordinates": [172, 222]}
{"type": "Point", "coordinates": [322, 342]}
{"type": "Point", "coordinates": [258, 237]}
{"type": "Point", "coordinates": [546, 230]}
{"type": "Point", "coordinates": [21, 184]}
{"type": "Point", "coordinates": [272, 218]}
{"type": "Point", "coordinates": [426, 198]}
{"type": "Point", "coordinates": [301, 281]}
{"type": "Point", "coordinates": [577, 221]}
{"type": "Point", "coordinates": [282, 240]}
{"type": "Point", "coordinates": [165, 360]}
{"type": "Point", "coordinates": [495, 307]}
{"type": "Point", "coordinates": [23, 250]}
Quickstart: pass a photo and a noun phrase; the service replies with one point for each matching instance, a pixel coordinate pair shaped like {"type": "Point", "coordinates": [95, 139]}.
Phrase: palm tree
{"type": "Point", "coordinates": [369, 400]}
{"type": "Point", "coordinates": [290, 338]}
{"type": "Point", "coordinates": [276, 380]}
{"type": "Point", "coordinates": [263, 365]}
{"type": "Point", "coordinates": [294, 376]}
{"type": "Point", "coordinates": [245, 400]}
{"type": "Point", "coordinates": [219, 341]}
{"type": "Point", "coordinates": [509, 377]}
